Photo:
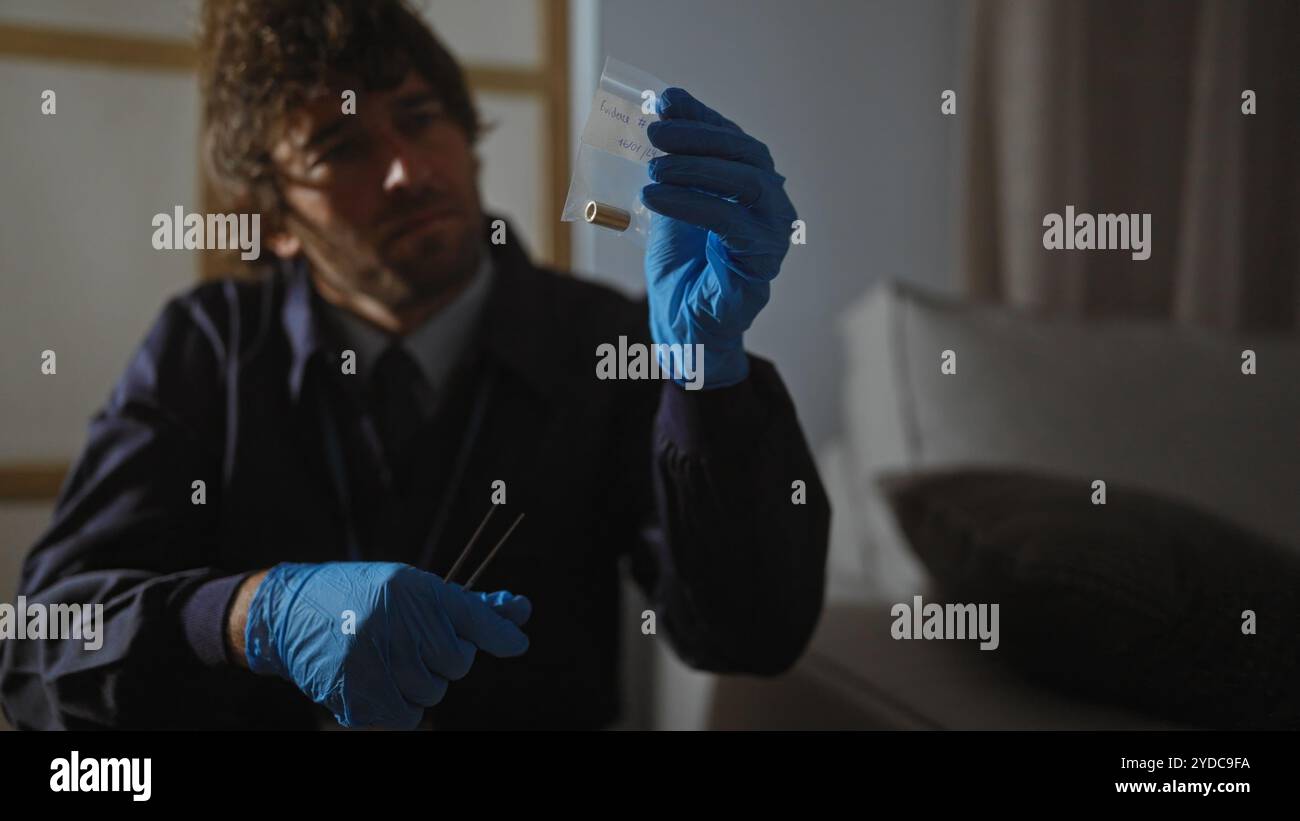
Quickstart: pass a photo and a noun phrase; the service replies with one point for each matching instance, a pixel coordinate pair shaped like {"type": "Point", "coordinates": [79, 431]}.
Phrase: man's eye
{"type": "Point", "coordinates": [422, 118]}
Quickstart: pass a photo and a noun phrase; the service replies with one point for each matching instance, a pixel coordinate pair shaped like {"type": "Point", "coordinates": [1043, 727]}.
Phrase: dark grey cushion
{"type": "Point", "coordinates": [1138, 601]}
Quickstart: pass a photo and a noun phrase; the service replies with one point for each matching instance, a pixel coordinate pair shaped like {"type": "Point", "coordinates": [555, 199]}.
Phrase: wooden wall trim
{"type": "Point", "coordinates": [117, 50]}
{"type": "Point", "coordinates": [28, 482]}
{"type": "Point", "coordinates": [555, 65]}
{"type": "Point", "coordinates": [58, 45]}
{"type": "Point", "coordinates": [505, 79]}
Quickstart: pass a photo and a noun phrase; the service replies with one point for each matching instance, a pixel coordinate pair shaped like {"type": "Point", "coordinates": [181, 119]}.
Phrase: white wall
{"type": "Point", "coordinates": [78, 274]}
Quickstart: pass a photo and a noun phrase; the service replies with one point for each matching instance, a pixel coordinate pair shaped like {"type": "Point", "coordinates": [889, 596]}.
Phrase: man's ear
{"type": "Point", "coordinates": [284, 244]}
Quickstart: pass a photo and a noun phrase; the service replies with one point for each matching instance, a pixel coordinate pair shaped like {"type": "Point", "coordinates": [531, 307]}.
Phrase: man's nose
{"type": "Point", "coordinates": [405, 167]}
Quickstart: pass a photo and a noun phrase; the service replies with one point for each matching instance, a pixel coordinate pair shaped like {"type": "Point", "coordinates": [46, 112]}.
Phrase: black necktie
{"type": "Point", "coordinates": [402, 399]}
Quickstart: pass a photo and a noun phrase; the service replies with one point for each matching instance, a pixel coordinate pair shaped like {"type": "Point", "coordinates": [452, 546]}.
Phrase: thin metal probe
{"type": "Point", "coordinates": [464, 554]}
{"type": "Point", "coordinates": [470, 584]}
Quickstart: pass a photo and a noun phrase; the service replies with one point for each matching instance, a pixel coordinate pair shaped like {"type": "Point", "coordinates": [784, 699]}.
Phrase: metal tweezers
{"type": "Point", "coordinates": [464, 554]}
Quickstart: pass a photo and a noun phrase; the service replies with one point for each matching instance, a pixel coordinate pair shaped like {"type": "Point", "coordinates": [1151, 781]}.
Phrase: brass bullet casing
{"type": "Point", "coordinates": [607, 216]}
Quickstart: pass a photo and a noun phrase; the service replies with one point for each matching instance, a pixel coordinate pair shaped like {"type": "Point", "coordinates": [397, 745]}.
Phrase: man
{"type": "Point", "coordinates": [270, 498]}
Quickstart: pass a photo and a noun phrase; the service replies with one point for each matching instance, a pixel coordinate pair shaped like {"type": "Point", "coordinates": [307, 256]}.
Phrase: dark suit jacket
{"type": "Point", "coordinates": [228, 388]}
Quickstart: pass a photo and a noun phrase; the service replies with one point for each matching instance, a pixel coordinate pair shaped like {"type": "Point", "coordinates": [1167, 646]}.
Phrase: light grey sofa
{"type": "Point", "coordinates": [1137, 403]}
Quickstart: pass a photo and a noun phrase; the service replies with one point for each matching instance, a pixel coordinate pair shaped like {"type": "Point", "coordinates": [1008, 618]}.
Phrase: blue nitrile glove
{"type": "Point", "coordinates": [413, 633]}
{"type": "Point", "coordinates": [719, 232]}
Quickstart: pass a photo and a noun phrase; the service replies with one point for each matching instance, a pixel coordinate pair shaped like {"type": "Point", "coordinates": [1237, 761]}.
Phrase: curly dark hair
{"type": "Point", "coordinates": [260, 59]}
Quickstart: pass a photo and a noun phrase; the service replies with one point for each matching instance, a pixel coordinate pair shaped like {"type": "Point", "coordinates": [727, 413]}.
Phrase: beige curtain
{"type": "Point", "coordinates": [1135, 106]}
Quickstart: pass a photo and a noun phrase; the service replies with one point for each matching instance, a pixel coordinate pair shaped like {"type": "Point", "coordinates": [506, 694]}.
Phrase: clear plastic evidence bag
{"type": "Point", "coordinates": [610, 170]}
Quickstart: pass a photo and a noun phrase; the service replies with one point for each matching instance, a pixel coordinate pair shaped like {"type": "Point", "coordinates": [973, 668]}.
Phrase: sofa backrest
{"type": "Point", "coordinates": [1136, 402]}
